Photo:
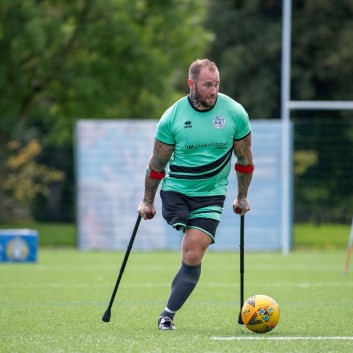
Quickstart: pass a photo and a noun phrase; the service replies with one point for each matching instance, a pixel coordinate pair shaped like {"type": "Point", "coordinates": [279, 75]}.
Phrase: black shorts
{"type": "Point", "coordinates": [181, 211]}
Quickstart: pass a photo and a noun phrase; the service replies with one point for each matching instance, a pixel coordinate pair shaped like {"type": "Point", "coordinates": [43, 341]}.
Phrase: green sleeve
{"type": "Point", "coordinates": [164, 131]}
{"type": "Point", "coordinates": [242, 123]}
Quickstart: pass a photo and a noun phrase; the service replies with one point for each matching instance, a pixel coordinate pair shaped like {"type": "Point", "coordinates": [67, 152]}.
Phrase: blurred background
{"type": "Point", "coordinates": [61, 61]}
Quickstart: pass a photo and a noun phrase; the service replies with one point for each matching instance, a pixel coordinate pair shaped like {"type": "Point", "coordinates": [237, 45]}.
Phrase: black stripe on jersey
{"type": "Point", "coordinates": [203, 168]}
{"type": "Point", "coordinates": [219, 164]}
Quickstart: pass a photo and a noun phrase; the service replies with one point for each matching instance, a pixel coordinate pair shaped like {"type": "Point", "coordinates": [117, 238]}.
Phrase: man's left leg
{"type": "Point", "coordinates": [194, 246]}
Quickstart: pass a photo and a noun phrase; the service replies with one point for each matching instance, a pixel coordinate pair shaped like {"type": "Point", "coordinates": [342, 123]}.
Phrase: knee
{"type": "Point", "coordinates": [195, 244]}
{"type": "Point", "coordinates": [192, 257]}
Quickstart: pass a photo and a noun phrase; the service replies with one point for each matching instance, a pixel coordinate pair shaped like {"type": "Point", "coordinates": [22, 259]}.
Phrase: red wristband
{"type": "Point", "coordinates": [155, 175]}
{"type": "Point", "coordinates": [244, 168]}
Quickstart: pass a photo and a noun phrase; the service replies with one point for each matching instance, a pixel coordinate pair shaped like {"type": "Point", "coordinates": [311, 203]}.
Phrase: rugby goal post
{"type": "Point", "coordinates": [288, 105]}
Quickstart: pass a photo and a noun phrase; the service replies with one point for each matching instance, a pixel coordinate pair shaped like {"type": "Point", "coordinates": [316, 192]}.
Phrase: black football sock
{"type": "Point", "coordinates": [182, 286]}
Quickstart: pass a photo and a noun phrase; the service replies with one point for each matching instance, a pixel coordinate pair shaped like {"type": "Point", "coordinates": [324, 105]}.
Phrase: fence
{"type": "Point", "coordinates": [323, 170]}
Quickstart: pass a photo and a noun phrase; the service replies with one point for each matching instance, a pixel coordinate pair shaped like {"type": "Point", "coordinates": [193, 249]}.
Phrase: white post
{"type": "Point", "coordinates": [349, 249]}
{"type": "Point", "coordinates": [286, 58]}
{"type": "Point", "coordinates": [285, 116]}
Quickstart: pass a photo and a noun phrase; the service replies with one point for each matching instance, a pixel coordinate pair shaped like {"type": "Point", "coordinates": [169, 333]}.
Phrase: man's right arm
{"type": "Point", "coordinates": [157, 164]}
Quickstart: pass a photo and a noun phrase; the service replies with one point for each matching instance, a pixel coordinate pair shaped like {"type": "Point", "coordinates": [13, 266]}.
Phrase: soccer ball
{"type": "Point", "coordinates": [260, 313]}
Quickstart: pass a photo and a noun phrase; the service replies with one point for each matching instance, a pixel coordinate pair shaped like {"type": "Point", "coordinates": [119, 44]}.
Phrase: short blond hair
{"type": "Point", "coordinates": [197, 65]}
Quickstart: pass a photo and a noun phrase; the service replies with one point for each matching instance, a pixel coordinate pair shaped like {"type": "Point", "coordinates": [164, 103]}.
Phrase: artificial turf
{"type": "Point", "coordinates": [56, 304]}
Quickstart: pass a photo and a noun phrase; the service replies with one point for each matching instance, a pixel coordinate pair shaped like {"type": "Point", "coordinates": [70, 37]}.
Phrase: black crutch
{"type": "Point", "coordinates": [240, 320]}
{"type": "Point", "coordinates": [107, 314]}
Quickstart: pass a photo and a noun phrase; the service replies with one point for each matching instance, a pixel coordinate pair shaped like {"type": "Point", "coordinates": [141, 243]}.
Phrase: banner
{"type": "Point", "coordinates": [18, 245]}
{"type": "Point", "coordinates": [111, 158]}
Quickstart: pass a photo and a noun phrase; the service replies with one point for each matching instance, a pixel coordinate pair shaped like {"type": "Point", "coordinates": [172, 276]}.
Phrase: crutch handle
{"type": "Point", "coordinates": [238, 210]}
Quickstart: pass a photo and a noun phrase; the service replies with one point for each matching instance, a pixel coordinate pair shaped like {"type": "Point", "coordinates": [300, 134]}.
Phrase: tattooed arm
{"type": "Point", "coordinates": [158, 161]}
{"type": "Point", "coordinates": [243, 152]}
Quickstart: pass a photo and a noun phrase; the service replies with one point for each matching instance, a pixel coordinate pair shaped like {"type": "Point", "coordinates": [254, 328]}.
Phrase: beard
{"type": "Point", "coordinates": [205, 101]}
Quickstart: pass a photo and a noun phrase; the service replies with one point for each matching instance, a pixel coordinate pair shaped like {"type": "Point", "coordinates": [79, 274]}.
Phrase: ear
{"type": "Point", "coordinates": [191, 84]}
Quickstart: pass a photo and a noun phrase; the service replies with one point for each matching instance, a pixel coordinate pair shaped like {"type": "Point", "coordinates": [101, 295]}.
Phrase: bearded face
{"type": "Point", "coordinates": [204, 90]}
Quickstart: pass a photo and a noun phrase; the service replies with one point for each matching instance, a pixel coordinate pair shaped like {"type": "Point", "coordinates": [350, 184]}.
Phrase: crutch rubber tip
{"type": "Point", "coordinates": [240, 319]}
{"type": "Point", "coordinates": [106, 316]}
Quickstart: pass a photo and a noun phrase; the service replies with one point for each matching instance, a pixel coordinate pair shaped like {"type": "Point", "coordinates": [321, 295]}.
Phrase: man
{"type": "Point", "coordinates": [197, 136]}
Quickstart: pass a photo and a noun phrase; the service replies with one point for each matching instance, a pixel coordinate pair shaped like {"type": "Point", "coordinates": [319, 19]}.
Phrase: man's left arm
{"type": "Point", "coordinates": [244, 170]}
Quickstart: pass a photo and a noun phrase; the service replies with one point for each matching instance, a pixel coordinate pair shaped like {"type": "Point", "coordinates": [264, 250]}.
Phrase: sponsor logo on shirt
{"type": "Point", "coordinates": [187, 124]}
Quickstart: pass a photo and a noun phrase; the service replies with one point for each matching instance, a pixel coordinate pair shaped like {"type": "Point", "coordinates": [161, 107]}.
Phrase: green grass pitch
{"type": "Point", "coordinates": [56, 304]}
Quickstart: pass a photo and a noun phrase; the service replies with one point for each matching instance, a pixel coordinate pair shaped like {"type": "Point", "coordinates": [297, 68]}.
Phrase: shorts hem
{"type": "Point", "coordinates": [179, 226]}
{"type": "Point", "coordinates": [205, 231]}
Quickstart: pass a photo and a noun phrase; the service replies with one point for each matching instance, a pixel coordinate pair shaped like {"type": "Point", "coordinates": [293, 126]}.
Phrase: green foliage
{"type": "Point", "coordinates": [64, 60]}
{"type": "Point", "coordinates": [323, 187]}
{"type": "Point", "coordinates": [247, 48]}
{"type": "Point", "coordinates": [304, 159]}
{"type": "Point", "coordinates": [322, 51]}
{"type": "Point", "coordinates": [100, 59]}
{"type": "Point", "coordinates": [25, 178]}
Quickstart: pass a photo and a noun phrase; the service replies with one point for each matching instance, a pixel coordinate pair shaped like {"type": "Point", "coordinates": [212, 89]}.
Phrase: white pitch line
{"type": "Point", "coordinates": [252, 338]}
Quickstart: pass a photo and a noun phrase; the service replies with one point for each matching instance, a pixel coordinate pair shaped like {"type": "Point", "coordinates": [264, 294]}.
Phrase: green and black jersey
{"type": "Point", "coordinates": [203, 141]}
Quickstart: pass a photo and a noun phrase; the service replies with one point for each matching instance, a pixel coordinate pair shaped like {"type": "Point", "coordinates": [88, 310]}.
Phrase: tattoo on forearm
{"type": "Point", "coordinates": [244, 180]}
{"type": "Point", "coordinates": [151, 186]}
{"type": "Point", "coordinates": [243, 152]}
{"type": "Point", "coordinates": [161, 156]}
{"type": "Point", "coordinates": [158, 162]}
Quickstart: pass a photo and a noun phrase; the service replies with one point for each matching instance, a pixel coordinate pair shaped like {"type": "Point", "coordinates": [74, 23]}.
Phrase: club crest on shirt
{"type": "Point", "coordinates": [219, 121]}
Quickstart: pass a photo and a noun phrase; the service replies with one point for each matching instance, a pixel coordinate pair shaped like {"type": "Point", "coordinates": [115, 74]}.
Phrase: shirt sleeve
{"type": "Point", "coordinates": [164, 131]}
{"type": "Point", "coordinates": [243, 127]}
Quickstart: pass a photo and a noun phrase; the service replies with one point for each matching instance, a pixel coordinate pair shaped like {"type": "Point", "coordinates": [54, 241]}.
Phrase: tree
{"type": "Point", "coordinates": [64, 60]}
{"type": "Point", "coordinates": [323, 190]}
{"type": "Point", "coordinates": [322, 63]}
{"type": "Point", "coordinates": [247, 47]}
{"type": "Point", "coordinates": [26, 178]}
{"type": "Point", "coordinates": [322, 51]}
